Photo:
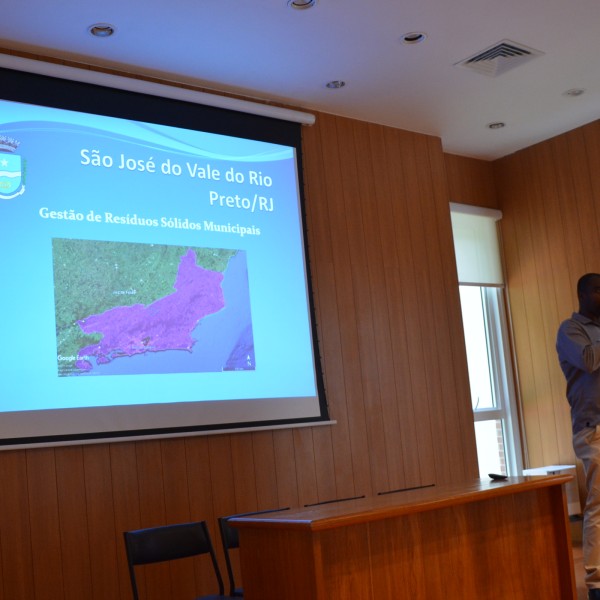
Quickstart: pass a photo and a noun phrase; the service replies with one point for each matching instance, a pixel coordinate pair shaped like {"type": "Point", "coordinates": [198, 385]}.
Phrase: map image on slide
{"type": "Point", "coordinates": [128, 308]}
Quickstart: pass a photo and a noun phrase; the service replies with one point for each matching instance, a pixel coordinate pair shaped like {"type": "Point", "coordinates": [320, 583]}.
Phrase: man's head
{"type": "Point", "coordinates": [588, 292]}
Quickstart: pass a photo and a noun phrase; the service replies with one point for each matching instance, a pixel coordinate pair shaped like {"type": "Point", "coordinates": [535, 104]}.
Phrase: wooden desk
{"type": "Point", "coordinates": [494, 540]}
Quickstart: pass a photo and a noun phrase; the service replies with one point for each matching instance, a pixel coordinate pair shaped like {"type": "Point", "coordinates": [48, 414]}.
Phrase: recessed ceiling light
{"type": "Point", "coordinates": [301, 4]}
{"type": "Point", "coordinates": [496, 125]}
{"type": "Point", "coordinates": [335, 85]}
{"type": "Point", "coordinates": [415, 37]}
{"type": "Point", "coordinates": [573, 93]}
{"type": "Point", "coordinates": [101, 30]}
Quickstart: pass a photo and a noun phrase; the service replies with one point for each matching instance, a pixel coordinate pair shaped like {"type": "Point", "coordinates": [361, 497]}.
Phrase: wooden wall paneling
{"type": "Point", "coordinates": [265, 473]}
{"type": "Point", "coordinates": [200, 482]}
{"type": "Point", "coordinates": [471, 181]}
{"type": "Point", "coordinates": [175, 478]}
{"type": "Point", "coordinates": [569, 211]}
{"type": "Point", "coordinates": [222, 476]}
{"type": "Point", "coordinates": [74, 527]}
{"type": "Point", "coordinates": [553, 265]}
{"type": "Point", "coordinates": [438, 294]}
{"type": "Point", "coordinates": [457, 368]}
{"type": "Point", "coordinates": [335, 134]}
{"type": "Point", "coordinates": [177, 510]}
{"type": "Point", "coordinates": [534, 264]}
{"type": "Point", "coordinates": [425, 250]}
{"type": "Point", "coordinates": [202, 486]}
{"type": "Point", "coordinates": [328, 326]}
{"type": "Point", "coordinates": [442, 274]}
{"type": "Point", "coordinates": [550, 231]}
{"type": "Point", "coordinates": [285, 468]}
{"type": "Point", "coordinates": [358, 184]}
{"type": "Point", "coordinates": [243, 466]}
{"type": "Point", "coordinates": [591, 139]}
{"type": "Point", "coordinates": [306, 468]}
{"type": "Point", "coordinates": [150, 483]}
{"type": "Point", "coordinates": [15, 527]}
{"type": "Point", "coordinates": [574, 160]}
{"type": "Point", "coordinates": [324, 463]}
{"type": "Point", "coordinates": [153, 580]}
{"type": "Point", "coordinates": [560, 271]}
{"type": "Point", "coordinates": [557, 263]}
{"type": "Point", "coordinates": [454, 374]}
{"type": "Point", "coordinates": [517, 248]}
{"type": "Point", "coordinates": [378, 216]}
{"type": "Point", "coordinates": [414, 406]}
{"type": "Point", "coordinates": [375, 190]}
{"type": "Point", "coordinates": [539, 303]}
{"type": "Point", "coordinates": [101, 525]}
{"type": "Point", "coordinates": [401, 432]}
{"type": "Point", "coordinates": [45, 525]}
{"type": "Point", "coordinates": [379, 211]}
{"type": "Point", "coordinates": [126, 505]}
{"type": "Point", "coordinates": [545, 173]}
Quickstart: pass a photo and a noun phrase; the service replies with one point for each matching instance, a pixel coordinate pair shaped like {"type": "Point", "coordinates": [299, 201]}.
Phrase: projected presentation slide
{"type": "Point", "coordinates": [145, 264]}
{"type": "Point", "coordinates": [132, 313]}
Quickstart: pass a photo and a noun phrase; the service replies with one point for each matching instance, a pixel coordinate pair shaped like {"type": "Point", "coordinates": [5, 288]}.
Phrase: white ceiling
{"type": "Point", "coordinates": [264, 49]}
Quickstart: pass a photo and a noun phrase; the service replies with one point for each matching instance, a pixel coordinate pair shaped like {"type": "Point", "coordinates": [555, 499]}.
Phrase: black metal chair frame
{"type": "Point", "coordinates": [171, 542]}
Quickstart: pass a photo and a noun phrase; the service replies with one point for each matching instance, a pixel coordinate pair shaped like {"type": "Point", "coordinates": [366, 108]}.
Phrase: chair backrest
{"type": "Point", "coordinates": [169, 542]}
{"type": "Point", "coordinates": [230, 539]}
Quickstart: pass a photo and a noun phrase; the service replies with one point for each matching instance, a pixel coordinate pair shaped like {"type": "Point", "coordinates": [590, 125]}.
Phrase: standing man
{"type": "Point", "coordinates": [578, 347]}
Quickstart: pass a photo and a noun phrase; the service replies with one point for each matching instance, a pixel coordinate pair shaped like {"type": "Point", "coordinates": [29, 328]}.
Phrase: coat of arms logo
{"type": "Point", "coordinates": [12, 169]}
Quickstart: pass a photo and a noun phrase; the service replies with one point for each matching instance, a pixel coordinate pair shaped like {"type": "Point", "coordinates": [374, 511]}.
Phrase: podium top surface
{"type": "Point", "coordinates": [432, 497]}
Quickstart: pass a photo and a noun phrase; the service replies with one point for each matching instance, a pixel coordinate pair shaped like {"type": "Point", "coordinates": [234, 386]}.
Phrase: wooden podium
{"type": "Point", "coordinates": [507, 540]}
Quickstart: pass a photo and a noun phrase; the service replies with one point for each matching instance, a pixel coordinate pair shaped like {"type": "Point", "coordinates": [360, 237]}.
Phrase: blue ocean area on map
{"type": "Point", "coordinates": [222, 341]}
{"type": "Point", "coordinates": [242, 358]}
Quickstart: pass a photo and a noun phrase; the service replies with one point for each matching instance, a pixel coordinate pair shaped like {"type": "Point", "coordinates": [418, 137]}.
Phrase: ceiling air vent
{"type": "Point", "coordinates": [499, 58]}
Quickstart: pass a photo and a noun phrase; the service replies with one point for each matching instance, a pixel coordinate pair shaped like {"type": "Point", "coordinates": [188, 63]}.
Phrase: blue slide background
{"type": "Point", "coordinates": [56, 147]}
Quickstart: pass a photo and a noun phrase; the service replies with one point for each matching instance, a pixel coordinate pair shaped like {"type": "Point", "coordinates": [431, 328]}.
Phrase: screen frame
{"type": "Point", "coordinates": [83, 96]}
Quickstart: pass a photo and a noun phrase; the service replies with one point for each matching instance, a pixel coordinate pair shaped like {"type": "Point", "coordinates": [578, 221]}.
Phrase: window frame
{"type": "Point", "coordinates": [502, 380]}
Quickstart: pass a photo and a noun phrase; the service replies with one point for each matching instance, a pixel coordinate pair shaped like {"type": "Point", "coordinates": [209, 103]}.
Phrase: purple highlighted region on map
{"type": "Point", "coordinates": [166, 324]}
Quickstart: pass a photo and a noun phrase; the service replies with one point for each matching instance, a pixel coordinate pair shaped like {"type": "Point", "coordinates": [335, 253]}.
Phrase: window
{"type": "Point", "coordinates": [486, 339]}
{"type": "Point", "coordinates": [491, 381]}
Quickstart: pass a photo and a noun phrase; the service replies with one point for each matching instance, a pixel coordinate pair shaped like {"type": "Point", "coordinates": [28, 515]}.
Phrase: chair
{"type": "Point", "coordinates": [231, 540]}
{"type": "Point", "coordinates": [170, 542]}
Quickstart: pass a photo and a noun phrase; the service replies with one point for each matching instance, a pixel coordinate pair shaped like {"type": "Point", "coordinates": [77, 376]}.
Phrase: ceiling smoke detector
{"type": "Point", "coordinates": [414, 37]}
{"type": "Point", "coordinates": [499, 58]}
{"type": "Point", "coordinates": [301, 4]}
{"type": "Point", "coordinates": [574, 92]}
{"type": "Point", "coordinates": [101, 30]}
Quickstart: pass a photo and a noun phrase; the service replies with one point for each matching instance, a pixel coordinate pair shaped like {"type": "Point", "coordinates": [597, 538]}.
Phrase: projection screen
{"type": "Point", "coordinates": [154, 268]}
